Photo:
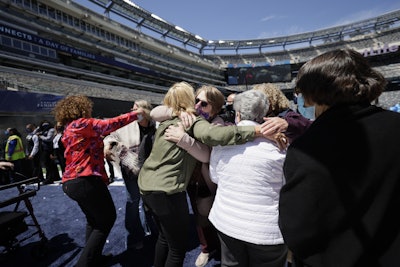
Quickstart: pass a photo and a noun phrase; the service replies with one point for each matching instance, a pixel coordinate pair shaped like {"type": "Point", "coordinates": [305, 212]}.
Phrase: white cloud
{"type": "Point", "coordinates": [267, 18]}
{"type": "Point", "coordinates": [294, 29]}
{"type": "Point", "coordinates": [362, 15]}
{"type": "Point", "coordinates": [272, 17]}
{"type": "Point", "coordinates": [358, 16]}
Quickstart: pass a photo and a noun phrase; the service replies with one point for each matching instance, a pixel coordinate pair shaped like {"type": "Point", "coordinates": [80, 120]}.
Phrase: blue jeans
{"type": "Point", "coordinates": [135, 218]}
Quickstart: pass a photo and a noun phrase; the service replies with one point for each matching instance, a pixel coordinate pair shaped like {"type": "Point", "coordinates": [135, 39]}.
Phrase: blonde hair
{"type": "Point", "coordinates": [73, 107]}
{"type": "Point", "coordinates": [180, 97]}
{"type": "Point", "coordinates": [277, 99]}
{"type": "Point", "coordinates": [214, 97]}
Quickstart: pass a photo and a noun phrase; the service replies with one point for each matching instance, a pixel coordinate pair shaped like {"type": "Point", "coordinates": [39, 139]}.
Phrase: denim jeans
{"type": "Point", "coordinates": [94, 199]}
{"type": "Point", "coordinates": [135, 218]}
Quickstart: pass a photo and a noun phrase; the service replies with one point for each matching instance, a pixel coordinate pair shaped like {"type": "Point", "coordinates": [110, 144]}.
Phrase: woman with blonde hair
{"type": "Point", "coordinates": [201, 190]}
{"type": "Point", "coordinates": [85, 179]}
{"type": "Point", "coordinates": [166, 173]}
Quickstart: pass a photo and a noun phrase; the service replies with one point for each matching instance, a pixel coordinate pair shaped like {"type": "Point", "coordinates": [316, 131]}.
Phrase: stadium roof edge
{"type": "Point", "coordinates": [144, 18]}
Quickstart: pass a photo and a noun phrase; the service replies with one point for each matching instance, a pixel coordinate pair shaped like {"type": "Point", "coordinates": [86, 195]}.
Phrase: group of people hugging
{"type": "Point", "coordinates": [271, 189]}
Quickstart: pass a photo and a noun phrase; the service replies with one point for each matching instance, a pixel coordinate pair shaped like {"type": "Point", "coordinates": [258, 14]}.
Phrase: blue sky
{"type": "Point", "coordinates": [252, 19]}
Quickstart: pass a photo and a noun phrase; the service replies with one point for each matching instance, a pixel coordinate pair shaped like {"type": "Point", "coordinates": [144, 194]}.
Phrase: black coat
{"type": "Point", "coordinates": [340, 204]}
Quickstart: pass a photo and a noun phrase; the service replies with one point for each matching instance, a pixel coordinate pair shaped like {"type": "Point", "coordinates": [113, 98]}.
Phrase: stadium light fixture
{"type": "Point", "coordinates": [180, 29]}
{"type": "Point", "coordinates": [158, 18]}
{"type": "Point", "coordinates": [131, 3]}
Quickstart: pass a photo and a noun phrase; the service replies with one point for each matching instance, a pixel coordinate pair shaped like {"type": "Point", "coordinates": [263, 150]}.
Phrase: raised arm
{"type": "Point", "coordinates": [161, 113]}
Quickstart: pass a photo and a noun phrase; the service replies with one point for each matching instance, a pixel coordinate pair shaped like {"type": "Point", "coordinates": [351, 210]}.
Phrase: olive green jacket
{"type": "Point", "coordinates": [169, 167]}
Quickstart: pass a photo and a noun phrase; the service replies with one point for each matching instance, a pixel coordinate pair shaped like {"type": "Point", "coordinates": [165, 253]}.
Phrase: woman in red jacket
{"type": "Point", "coordinates": [85, 179]}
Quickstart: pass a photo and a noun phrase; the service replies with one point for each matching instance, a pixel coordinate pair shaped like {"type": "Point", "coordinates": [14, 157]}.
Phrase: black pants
{"type": "Point", "coordinates": [94, 199]}
{"type": "Point", "coordinates": [171, 214]}
{"type": "Point", "coordinates": [36, 167]}
{"type": "Point", "coordinates": [59, 153]}
{"type": "Point", "coordinates": [51, 167]}
{"type": "Point", "coordinates": [239, 253]}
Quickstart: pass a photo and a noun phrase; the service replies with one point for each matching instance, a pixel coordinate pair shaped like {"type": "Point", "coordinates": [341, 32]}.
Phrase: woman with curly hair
{"type": "Point", "coordinates": [280, 117]}
{"type": "Point", "coordinates": [85, 179]}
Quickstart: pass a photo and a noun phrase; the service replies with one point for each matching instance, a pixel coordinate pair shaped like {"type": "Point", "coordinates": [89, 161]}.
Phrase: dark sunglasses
{"type": "Point", "coordinates": [203, 103]}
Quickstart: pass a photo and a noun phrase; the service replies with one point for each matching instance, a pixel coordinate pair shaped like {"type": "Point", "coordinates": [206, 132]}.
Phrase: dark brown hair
{"type": "Point", "coordinates": [339, 76]}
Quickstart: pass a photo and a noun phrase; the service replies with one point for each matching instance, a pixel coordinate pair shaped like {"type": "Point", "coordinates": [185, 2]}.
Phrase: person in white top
{"type": "Point", "coordinates": [33, 151]}
{"type": "Point", "coordinates": [58, 147]}
{"type": "Point", "coordinates": [249, 178]}
{"type": "Point", "coordinates": [127, 148]}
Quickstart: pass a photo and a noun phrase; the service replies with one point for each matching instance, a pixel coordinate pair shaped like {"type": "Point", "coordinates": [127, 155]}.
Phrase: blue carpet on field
{"type": "Point", "coordinates": [64, 226]}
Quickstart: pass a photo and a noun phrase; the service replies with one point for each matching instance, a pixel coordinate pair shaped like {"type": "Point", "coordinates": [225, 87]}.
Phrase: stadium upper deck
{"type": "Point", "coordinates": [129, 47]}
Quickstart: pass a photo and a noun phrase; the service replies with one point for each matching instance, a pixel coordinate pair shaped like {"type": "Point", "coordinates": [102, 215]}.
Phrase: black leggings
{"type": "Point", "coordinates": [94, 199]}
{"type": "Point", "coordinates": [171, 214]}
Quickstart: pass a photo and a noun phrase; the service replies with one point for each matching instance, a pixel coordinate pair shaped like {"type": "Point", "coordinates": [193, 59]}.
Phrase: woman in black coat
{"type": "Point", "coordinates": [339, 205]}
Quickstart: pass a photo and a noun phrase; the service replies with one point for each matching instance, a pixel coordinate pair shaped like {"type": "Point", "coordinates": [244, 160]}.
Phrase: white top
{"type": "Point", "coordinates": [57, 138]}
{"type": "Point", "coordinates": [36, 143]}
{"type": "Point", "coordinates": [128, 136]}
{"type": "Point", "coordinates": [249, 178]}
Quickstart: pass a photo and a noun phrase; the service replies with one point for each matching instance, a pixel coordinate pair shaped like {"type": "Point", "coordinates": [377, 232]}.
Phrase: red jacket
{"type": "Point", "coordinates": [83, 142]}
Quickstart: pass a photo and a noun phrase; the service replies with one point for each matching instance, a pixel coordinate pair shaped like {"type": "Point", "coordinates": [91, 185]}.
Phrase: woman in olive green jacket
{"type": "Point", "coordinates": [166, 173]}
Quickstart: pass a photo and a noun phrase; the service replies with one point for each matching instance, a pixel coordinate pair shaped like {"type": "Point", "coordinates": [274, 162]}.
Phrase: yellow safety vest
{"type": "Point", "coordinates": [18, 151]}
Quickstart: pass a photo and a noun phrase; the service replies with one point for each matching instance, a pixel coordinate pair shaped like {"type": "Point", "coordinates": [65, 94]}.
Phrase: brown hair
{"type": "Point", "coordinates": [214, 97]}
{"type": "Point", "coordinates": [339, 76]}
{"type": "Point", "coordinates": [73, 107]}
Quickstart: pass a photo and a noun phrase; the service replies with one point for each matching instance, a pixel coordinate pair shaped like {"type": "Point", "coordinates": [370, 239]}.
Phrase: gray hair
{"type": "Point", "coordinates": [253, 105]}
{"type": "Point", "coordinates": [146, 106]}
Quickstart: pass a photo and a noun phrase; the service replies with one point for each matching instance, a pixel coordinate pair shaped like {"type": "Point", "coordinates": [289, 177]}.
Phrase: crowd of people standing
{"type": "Point", "coordinates": [37, 154]}
{"type": "Point", "coordinates": [269, 184]}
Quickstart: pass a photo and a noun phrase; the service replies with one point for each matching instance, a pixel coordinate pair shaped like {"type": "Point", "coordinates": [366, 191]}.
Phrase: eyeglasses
{"type": "Point", "coordinates": [202, 103]}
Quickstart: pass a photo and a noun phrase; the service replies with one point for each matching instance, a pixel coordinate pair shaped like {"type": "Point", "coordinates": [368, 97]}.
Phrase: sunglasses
{"type": "Point", "coordinates": [203, 103]}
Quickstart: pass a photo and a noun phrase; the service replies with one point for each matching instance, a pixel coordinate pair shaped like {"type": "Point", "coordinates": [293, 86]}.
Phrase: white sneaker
{"type": "Point", "coordinates": [202, 259]}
